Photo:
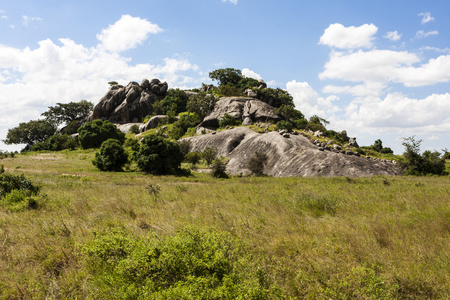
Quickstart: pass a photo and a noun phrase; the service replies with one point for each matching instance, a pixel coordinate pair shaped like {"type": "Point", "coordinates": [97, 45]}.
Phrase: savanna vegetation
{"type": "Point", "coordinates": [130, 235]}
{"type": "Point", "coordinates": [115, 216]}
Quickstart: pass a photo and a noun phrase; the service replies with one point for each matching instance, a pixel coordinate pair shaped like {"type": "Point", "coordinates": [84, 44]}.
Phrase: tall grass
{"type": "Point", "coordinates": [317, 238]}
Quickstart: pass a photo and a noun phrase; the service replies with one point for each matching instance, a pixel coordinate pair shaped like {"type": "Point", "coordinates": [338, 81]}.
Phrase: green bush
{"type": "Point", "coordinates": [228, 120]}
{"type": "Point", "coordinates": [209, 154]}
{"type": "Point", "coordinates": [275, 97]}
{"type": "Point", "coordinates": [112, 156]}
{"type": "Point", "coordinates": [192, 157]}
{"type": "Point", "coordinates": [93, 134]}
{"type": "Point", "coordinates": [176, 100]}
{"type": "Point", "coordinates": [185, 121]}
{"type": "Point", "coordinates": [416, 164]}
{"type": "Point", "coordinates": [386, 150]}
{"type": "Point", "coordinates": [192, 264]}
{"type": "Point", "coordinates": [219, 167]}
{"type": "Point", "coordinates": [17, 191]}
{"type": "Point", "coordinates": [18, 200]}
{"type": "Point", "coordinates": [157, 155]}
{"type": "Point", "coordinates": [257, 163]}
{"type": "Point", "coordinates": [56, 143]}
{"type": "Point", "coordinates": [201, 104]}
{"type": "Point", "coordinates": [284, 125]}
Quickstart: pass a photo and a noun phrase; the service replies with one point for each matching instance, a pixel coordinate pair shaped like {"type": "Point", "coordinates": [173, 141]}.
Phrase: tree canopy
{"type": "Point", "coordinates": [66, 113]}
{"type": "Point", "coordinates": [226, 76]}
{"type": "Point", "coordinates": [30, 132]}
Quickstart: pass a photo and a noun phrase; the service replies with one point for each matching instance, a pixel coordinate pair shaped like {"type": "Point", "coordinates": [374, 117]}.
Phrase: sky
{"type": "Point", "coordinates": [377, 69]}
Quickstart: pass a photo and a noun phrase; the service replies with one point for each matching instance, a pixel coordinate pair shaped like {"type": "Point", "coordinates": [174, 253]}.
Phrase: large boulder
{"type": "Point", "coordinates": [129, 104]}
{"type": "Point", "coordinates": [245, 109]}
{"type": "Point", "coordinates": [293, 156]}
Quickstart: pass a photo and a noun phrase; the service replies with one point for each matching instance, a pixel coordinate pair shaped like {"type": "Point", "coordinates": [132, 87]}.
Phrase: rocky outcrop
{"type": "Point", "coordinates": [246, 109]}
{"type": "Point", "coordinates": [293, 156]}
{"type": "Point", "coordinates": [129, 104]}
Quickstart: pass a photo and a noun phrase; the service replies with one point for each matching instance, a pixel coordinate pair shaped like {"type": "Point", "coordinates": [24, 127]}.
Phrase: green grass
{"type": "Point", "coordinates": [287, 238]}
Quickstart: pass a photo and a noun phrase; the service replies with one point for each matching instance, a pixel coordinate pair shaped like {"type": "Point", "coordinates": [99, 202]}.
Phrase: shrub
{"type": "Point", "coordinates": [202, 104]}
{"type": "Point", "coordinates": [219, 167]}
{"type": "Point", "coordinates": [228, 120]}
{"type": "Point", "coordinates": [257, 163]}
{"type": "Point", "coordinates": [185, 146]}
{"type": "Point", "coordinates": [112, 156]}
{"type": "Point", "coordinates": [56, 143]}
{"type": "Point", "coordinates": [192, 264]}
{"type": "Point", "coordinates": [157, 155]}
{"type": "Point", "coordinates": [185, 121]}
{"type": "Point", "coordinates": [209, 154]}
{"type": "Point", "coordinates": [16, 192]}
{"type": "Point", "coordinates": [416, 164]}
{"type": "Point", "coordinates": [176, 101]}
{"type": "Point", "coordinates": [386, 150]}
{"type": "Point", "coordinates": [192, 157]}
{"type": "Point", "coordinates": [19, 200]}
{"type": "Point", "coordinates": [275, 97]}
{"type": "Point", "coordinates": [284, 125]}
{"type": "Point", "coordinates": [93, 134]}
{"type": "Point", "coordinates": [134, 129]}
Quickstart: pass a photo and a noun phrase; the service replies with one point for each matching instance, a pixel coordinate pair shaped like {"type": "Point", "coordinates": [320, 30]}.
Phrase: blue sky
{"type": "Point", "coordinates": [378, 69]}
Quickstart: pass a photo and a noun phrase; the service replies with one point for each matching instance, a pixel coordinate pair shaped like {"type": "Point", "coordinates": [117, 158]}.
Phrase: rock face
{"type": "Point", "coordinates": [293, 156]}
{"type": "Point", "coordinates": [246, 109]}
{"type": "Point", "coordinates": [129, 104]}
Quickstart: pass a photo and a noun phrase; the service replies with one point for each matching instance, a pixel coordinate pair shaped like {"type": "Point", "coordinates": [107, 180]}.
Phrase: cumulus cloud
{"type": "Point", "coordinates": [231, 1]}
{"type": "Point", "coordinates": [249, 73]}
{"type": "Point", "coordinates": [422, 34]}
{"type": "Point", "coordinates": [393, 36]}
{"type": "Point", "coordinates": [426, 17]}
{"type": "Point", "coordinates": [338, 36]}
{"type": "Point", "coordinates": [64, 71]}
{"type": "Point", "coordinates": [385, 66]}
{"type": "Point", "coordinates": [308, 101]}
{"type": "Point", "coordinates": [127, 33]}
{"type": "Point", "coordinates": [26, 20]}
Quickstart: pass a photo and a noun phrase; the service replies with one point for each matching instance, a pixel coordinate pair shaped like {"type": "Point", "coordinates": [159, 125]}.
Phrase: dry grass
{"type": "Point", "coordinates": [339, 238]}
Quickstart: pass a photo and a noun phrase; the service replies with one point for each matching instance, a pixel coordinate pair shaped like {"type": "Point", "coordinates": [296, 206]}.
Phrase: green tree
{"type": "Point", "coordinates": [93, 134]}
{"type": "Point", "coordinates": [201, 104]}
{"type": "Point", "coordinates": [30, 133]}
{"type": "Point", "coordinates": [66, 113]}
{"type": "Point", "coordinates": [158, 155]}
{"type": "Point", "coordinates": [416, 164]}
{"type": "Point", "coordinates": [226, 76]}
{"type": "Point", "coordinates": [219, 167]}
{"type": "Point", "coordinates": [247, 83]}
{"type": "Point", "coordinates": [185, 121]}
{"type": "Point", "coordinates": [377, 146]}
{"type": "Point", "coordinates": [209, 154]}
{"type": "Point", "coordinates": [112, 156]}
{"type": "Point", "coordinates": [176, 100]}
{"type": "Point", "coordinates": [276, 97]}
{"type": "Point", "coordinates": [289, 112]}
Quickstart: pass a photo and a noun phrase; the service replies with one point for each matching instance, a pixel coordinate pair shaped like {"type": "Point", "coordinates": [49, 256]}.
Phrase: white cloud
{"type": "Point", "coordinates": [249, 73]}
{"type": "Point", "coordinates": [4, 17]}
{"type": "Point", "coordinates": [338, 36]}
{"type": "Point", "coordinates": [422, 34]}
{"type": "Point", "coordinates": [127, 33]}
{"type": "Point", "coordinates": [231, 1]}
{"type": "Point", "coordinates": [426, 17]}
{"type": "Point", "coordinates": [384, 66]}
{"type": "Point", "coordinates": [26, 20]}
{"type": "Point", "coordinates": [308, 101]}
{"type": "Point", "coordinates": [393, 36]}
{"type": "Point", "coordinates": [33, 79]}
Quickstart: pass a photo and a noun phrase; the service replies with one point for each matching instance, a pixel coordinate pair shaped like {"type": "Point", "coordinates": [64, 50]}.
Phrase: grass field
{"type": "Point", "coordinates": [95, 235]}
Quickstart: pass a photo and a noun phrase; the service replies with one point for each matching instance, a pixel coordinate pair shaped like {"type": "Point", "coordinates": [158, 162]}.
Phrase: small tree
{"type": "Point", "coordinates": [201, 103]}
{"type": "Point", "coordinates": [209, 154]}
{"type": "Point", "coordinates": [416, 164]}
{"type": "Point", "coordinates": [93, 134]}
{"type": "Point", "coordinates": [219, 167]}
{"type": "Point", "coordinates": [158, 155]}
{"type": "Point", "coordinates": [257, 163]}
{"type": "Point", "coordinates": [112, 156]}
